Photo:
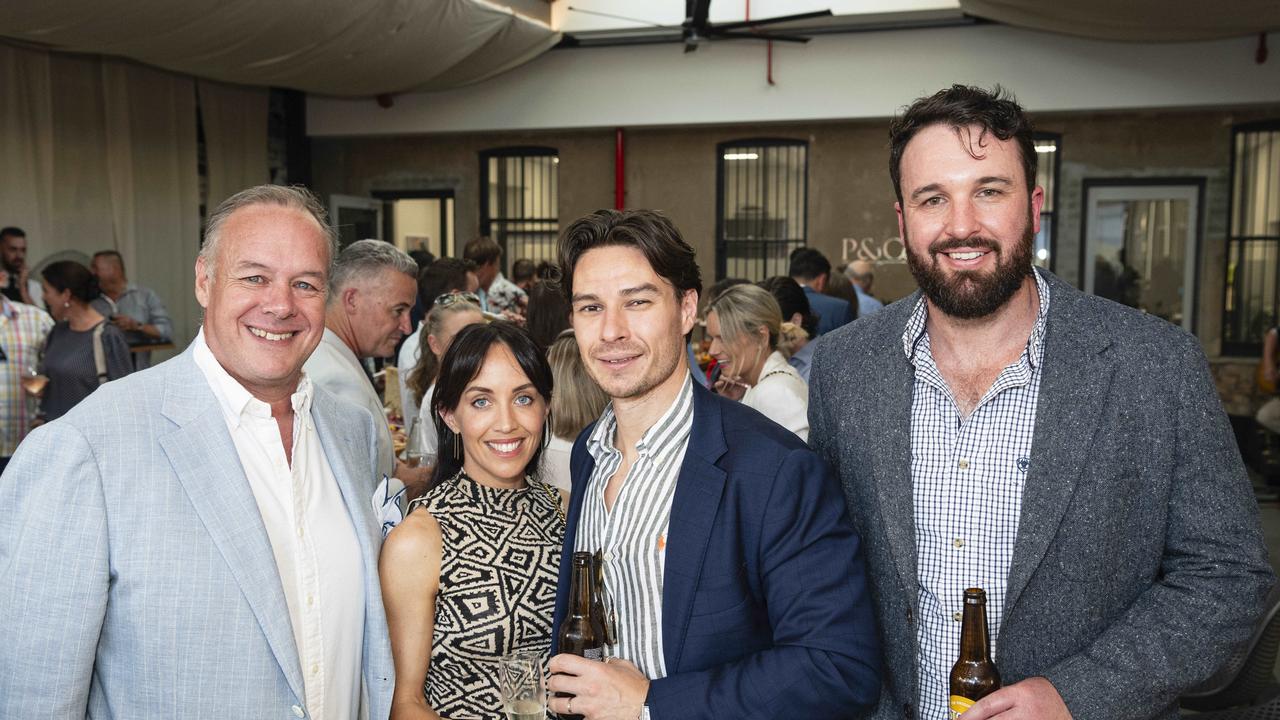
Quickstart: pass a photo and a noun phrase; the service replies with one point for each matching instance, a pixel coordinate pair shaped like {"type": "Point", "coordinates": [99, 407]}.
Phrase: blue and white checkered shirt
{"type": "Point", "coordinates": [967, 476]}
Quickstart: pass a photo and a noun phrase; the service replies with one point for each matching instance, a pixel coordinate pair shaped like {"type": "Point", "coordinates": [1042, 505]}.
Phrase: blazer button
{"type": "Point", "coordinates": [297, 711]}
{"type": "Point", "coordinates": [906, 711]}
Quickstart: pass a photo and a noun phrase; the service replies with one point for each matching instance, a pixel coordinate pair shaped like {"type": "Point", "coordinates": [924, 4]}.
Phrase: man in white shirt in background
{"type": "Point", "coordinates": [212, 551]}
{"type": "Point", "coordinates": [366, 314]}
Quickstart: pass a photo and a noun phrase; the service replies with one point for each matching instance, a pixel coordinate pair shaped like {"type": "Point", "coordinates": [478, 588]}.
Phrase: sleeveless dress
{"type": "Point", "coordinates": [500, 560]}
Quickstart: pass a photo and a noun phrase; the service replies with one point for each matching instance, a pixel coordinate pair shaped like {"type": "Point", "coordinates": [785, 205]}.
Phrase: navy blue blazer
{"type": "Point", "coordinates": [832, 312]}
{"type": "Point", "coordinates": [765, 607]}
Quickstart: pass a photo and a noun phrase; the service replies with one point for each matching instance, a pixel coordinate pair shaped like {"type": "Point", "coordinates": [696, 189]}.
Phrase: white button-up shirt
{"type": "Point", "coordinates": [312, 537]}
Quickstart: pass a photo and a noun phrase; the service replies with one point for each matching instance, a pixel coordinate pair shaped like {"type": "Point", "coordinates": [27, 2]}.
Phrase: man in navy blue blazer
{"type": "Point", "coordinates": [732, 574]}
{"type": "Point", "coordinates": [812, 269]}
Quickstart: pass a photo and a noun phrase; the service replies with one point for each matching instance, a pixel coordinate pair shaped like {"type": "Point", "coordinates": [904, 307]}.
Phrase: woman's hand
{"type": "Point", "coordinates": [732, 388]}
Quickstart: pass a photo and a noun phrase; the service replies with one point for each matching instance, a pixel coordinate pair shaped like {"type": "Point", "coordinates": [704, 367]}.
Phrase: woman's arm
{"type": "Point", "coordinates": [410, 571]}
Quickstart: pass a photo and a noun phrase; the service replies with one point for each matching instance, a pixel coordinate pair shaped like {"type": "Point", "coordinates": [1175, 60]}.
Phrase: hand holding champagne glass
{"type": "Point", "coordinates": [523, 684]}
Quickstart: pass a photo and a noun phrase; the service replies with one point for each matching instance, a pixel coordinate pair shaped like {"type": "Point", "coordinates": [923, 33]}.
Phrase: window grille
{"type": "Point", "coordinates": [520, 201]}
{"type": "Point", "coordinates": [761, 206]}
{"type": "Point", "coordinates": [1252, 293]}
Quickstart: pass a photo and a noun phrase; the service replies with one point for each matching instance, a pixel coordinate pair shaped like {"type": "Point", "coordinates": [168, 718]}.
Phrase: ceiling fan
{"type": "Point", "coordinates": [697, 26]}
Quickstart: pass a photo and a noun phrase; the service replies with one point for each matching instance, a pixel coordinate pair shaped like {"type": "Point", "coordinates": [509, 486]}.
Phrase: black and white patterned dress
{"type": "Point", "coordinates": [500, 559]}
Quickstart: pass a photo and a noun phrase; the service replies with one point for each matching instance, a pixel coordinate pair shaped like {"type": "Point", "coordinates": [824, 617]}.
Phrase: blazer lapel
{"type": "Point", "coordinates": [205, 461]}
{"type": "Point", "coordinates": [891, 451]}
{"type": "Point", "coordinates": [1074, 386]}
{"type": "Point", "coordinates": [693, 513]}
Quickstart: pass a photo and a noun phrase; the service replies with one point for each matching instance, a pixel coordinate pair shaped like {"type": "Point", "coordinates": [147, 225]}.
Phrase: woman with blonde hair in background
{"type": "Point", "coordinates": [449, 314]}
{"type": "Point", "coordinates": [578, 402]}
{"type": "Point", "coordinates": [745, 326]}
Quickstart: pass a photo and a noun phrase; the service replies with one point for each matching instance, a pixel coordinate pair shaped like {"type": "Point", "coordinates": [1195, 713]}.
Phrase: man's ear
{"type": "Point", "coordinates": [202, 283]}
{"type": "Point", "coordinates": [688, 310]}
{"type": "Point", "coordinates": [349, 299]}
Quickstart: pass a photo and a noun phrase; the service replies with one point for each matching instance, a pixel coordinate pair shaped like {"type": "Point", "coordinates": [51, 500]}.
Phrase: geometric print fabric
{"type": "Point", "coordinates": [500, 561]}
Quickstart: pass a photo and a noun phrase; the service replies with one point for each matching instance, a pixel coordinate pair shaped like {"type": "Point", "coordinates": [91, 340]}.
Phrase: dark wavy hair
{"type": "Point", "coordinates": [996, 112]}
{"type": "Point", "coordinates": [71, 275]}
{"type": "Point", "coordinates": [460, 365]}
{"type": "Point", "coordinates": [791, 300]}
{"type": "Point", "coordinates": [648, 231]}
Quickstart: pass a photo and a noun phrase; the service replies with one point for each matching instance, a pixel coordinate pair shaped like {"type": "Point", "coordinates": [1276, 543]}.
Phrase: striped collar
{"type": "Point", "coordinates": [671, 429]}
{"type": "Point", "coordinates": [915, 331]}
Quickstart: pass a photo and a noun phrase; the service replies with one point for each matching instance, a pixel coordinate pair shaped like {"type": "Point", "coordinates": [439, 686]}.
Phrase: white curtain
{"type": "Point", "coordinates": [235, 138]}
{"type": "Point", "coordinates": [101, 154]}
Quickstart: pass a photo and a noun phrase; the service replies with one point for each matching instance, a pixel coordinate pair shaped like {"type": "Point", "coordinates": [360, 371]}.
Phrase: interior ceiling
{"type": "Point", "coordinates": [1134, 20]}
{"type": "Point", "coordinates": [327, 47]}
{"type": "Point", "coordinates": [374, 47]}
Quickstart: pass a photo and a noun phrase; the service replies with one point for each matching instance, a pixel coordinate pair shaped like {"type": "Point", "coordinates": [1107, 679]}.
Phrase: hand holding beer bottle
{"type": "Point", "coordinates": [974, 676]}
{"type": "Point", "coordinates": [582, 632]}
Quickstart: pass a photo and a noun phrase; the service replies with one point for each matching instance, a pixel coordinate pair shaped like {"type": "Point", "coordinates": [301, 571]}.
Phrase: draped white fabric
{"type": "Point", "coordinates": [235, 138]}
{"type": "Point", "coordinates": [1136, 20]}
{"type": "Point", "coordinates": [101, 154]}
{"type": "Point", "coordinates": [332, 47]}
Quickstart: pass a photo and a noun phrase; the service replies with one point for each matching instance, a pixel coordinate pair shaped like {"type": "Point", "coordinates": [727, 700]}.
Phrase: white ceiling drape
{"type": "Point", "coordinates": [1134, 20]}
{"type": "Point", "coordinates": [328, 47]}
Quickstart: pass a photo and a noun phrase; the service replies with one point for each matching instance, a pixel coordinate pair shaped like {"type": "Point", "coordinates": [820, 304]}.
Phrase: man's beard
{"type": "Point", "coordinates": [969, 294]}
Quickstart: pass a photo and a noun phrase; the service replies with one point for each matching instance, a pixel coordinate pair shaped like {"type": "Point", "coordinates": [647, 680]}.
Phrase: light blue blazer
{"type": "Point", "coordinates": [136, 578]}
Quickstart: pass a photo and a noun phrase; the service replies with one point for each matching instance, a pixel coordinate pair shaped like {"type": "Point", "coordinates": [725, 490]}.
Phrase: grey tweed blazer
{"type": "Point", "coordinates": [1139, 562]}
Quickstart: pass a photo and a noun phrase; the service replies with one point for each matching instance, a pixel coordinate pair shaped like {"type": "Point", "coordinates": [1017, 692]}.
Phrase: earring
{"type": "Point", "coordinates": [546, 432]}
{"type": "Point", "coordinates": [457, 447]}
{"type": "Point", "coordinates": [66, 304]}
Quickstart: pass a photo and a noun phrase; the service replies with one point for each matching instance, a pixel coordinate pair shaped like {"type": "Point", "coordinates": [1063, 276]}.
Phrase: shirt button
{"type": "Point", "coordinates": [311, 600]}
{"type": "Point", "coordinates": [315, 668]}
{"type": "Point", "coordinates": [608, 557]}
{"type": "Point", "coordinates": [963, 464]}
{"type": "Point", "coordinates": [958, 542]}
{"type": "Point", "coordinates": [297, 711]}
{"type": "Point", "coordinates": [956, 616]}
{"type": "Point", "coordinates": [299, 531]}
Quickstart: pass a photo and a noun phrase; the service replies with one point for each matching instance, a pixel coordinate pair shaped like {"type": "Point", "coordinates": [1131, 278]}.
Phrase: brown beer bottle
{"type": "Point", "coordinates": [582, 631]}
{"type": "Point", "coordinates": [974, 676]}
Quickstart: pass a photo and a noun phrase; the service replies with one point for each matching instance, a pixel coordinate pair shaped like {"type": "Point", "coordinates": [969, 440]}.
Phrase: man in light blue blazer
{"type": "Point", "coordinates": [197, 540]}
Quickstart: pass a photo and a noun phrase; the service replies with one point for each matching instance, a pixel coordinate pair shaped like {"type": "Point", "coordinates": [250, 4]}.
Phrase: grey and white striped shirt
{"type": "Point", "coordinates": [633, 535]}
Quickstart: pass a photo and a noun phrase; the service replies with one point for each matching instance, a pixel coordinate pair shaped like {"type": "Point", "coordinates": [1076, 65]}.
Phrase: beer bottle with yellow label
{"type": "Point", "coordinates": [974, 676]}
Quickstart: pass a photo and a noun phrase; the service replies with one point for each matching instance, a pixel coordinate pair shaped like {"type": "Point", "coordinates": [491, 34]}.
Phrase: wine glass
{"type": "Point", "coordinates": [523, 684]}
{"type": "Point", "coordinates": [33, 382]}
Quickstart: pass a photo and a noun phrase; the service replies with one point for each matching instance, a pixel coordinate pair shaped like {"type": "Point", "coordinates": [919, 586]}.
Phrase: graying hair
{"type": "Point", "coordinates": [295, 197]}
{"type": "Point", "coordinates": [365, 259]}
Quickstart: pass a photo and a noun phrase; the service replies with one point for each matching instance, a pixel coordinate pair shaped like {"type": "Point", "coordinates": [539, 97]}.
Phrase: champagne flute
{"type": "Point", "coordinates": [415, 448]}
{"type": "Point", "coordinates": [523, 684]}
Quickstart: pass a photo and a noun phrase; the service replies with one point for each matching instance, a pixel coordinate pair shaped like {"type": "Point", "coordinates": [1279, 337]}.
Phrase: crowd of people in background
{"type": "Point", "coordinates": [786, 487]}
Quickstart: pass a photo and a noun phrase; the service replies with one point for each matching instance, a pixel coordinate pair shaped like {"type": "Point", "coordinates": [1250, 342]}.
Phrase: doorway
{"type": "Point", "coordinates": [419, 220]}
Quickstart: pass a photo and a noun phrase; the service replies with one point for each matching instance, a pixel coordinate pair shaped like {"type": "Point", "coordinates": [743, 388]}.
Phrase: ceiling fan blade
{"type": "Point", "coordinates": [769, 21]}
{"type": "Point", "coordinates": [717, 35]}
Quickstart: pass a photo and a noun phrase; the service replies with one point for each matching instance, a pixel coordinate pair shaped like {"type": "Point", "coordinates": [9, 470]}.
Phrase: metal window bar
{"type": "Point", "coordinates": [762, 206]}
{"type": "Point", "coordinates": [1251, 300]}
{"type": "Point", "coordinates": [519, 210]}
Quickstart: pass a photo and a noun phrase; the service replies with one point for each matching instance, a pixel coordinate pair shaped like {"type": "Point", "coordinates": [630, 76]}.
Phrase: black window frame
{"type": "Point", "coordinates": [1244, 348]}
{"type": "Point", "coordinates": [721, 242]}
{"type": "Point", "coordinates": [487, 221]}
{"type": "Point", "coordinates": [1053, 214]}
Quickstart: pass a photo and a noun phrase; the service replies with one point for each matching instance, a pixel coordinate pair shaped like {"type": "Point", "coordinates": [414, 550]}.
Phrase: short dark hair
{"type": "Point", "coordinates": [522, 270]}
{"type": "Point", "coordinates": [462, 362]}
{"type": "Point", "coordinates": [791, 300]}
{"type": "Point", "coordinates": [718, 287]}
{"type": "Point", "coordinates": [807, 264]}
{"type": "Point", "coordinates": [422, 257]}
{"type": "Point", "coordinates": [442, 276]}
{"type": "Point", "coordinates": [12, 232]}
{"type": "Point", "coordinates": [71, 275]}
{"type": "Point", "coordinates": [113, 254]}
{"type": "Point", "coordinates": [960, 106]}
{"type": "Point", "coordinates": [481, 251]}
{"type": "Point", "coordinates": [648, 231]}
{"type": "Point", "coordinates": [547, 314]}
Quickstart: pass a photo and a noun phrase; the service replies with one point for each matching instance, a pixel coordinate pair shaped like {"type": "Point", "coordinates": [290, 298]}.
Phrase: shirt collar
{"type": "Point", "coordinates": [672, 427]}
{"type": "Point", "coordinates": [8, 309]}
{"type": "Point", "coordinates": [236, 401]}
{"type": "Point", "coordinates": [916, 330]}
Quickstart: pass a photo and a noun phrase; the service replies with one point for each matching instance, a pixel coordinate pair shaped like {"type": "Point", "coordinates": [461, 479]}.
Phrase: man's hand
{"type": "Point", "coordinates": [1033, 699]}
{"type": "Point", "coordinates": [126, 323]}
{"type": "Point", "coordinates": [610, 690]}
{"type": "Point", "coordinates": [415, 479]}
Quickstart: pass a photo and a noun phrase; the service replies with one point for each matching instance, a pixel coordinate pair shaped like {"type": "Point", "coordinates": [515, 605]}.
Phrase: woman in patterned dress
{"type": "Point", "coordinates": [470, 575]}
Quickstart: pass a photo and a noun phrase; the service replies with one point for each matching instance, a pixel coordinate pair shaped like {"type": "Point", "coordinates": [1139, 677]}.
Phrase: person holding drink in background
{"type": "Point", "coordinates": [1063, 454]}
{"type": "Point", "coordinates": [23, 329]}
{"type": "Point", "coordinates": [469, 576]}
{"type": "Point", "coordinates": [731, 573]}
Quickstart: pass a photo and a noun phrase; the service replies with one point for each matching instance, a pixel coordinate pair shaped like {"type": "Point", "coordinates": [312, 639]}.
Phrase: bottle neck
{"type": "Point", "coordinates": [975, 643]}
{"type": "Point", "coordinates": [580, 589]}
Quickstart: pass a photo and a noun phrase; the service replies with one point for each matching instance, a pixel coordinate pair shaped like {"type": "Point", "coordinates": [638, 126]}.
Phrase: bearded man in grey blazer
{"type": "Point", "coordinates": [197, 539]}
{"type": "Point", "coordinates": [1067, 454]}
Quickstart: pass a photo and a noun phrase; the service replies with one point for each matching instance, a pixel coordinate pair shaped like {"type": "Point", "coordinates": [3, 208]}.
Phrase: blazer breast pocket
{"type": "Point", "coordinates": [721, 603]}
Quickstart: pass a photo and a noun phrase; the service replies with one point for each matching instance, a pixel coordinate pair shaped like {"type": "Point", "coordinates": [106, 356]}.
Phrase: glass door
{"type": "Point", "coordinates": [1141, 242]}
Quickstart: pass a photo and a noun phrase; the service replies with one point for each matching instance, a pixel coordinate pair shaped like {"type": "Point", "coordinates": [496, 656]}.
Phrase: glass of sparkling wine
{"type": "Point", "coordinates": [523, 682]}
